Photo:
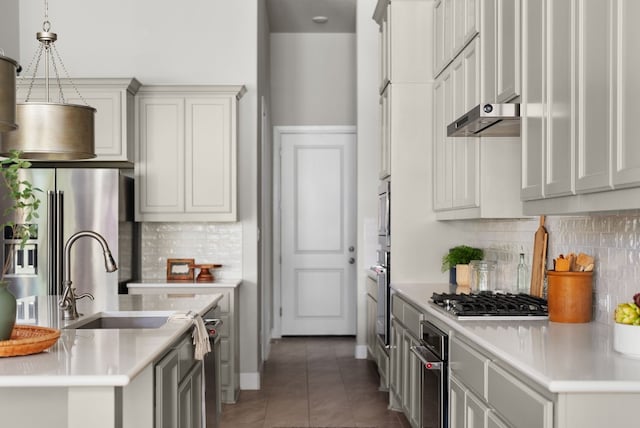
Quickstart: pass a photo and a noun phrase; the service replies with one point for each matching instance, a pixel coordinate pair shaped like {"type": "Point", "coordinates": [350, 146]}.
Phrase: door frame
{"type": "Point", "coordinates": [278, 132]}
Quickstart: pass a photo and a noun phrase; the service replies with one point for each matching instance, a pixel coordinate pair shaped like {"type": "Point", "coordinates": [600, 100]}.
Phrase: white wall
{"type": "Point", "coordinates": [313, 79]}
{"type": "Point", "coordinates": [9, 33]}
{"type": "Point", "coordinates": [164, 41]}
{"type": "Point", "coordinates": [368, 123]}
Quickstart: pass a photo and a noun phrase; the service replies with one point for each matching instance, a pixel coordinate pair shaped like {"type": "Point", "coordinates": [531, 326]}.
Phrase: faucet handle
{"type": "Point", "coordinates": [83, 295]}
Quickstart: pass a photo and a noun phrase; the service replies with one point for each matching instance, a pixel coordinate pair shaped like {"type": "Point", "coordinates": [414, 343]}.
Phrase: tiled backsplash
{"type": "Point", "coordinates": [204, 242]}
{"type": "Point", "coordinates": [613, 239]}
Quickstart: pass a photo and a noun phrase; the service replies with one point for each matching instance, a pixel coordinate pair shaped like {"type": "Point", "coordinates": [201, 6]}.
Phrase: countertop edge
{"type": "Point", "coordinates": [551, 384]}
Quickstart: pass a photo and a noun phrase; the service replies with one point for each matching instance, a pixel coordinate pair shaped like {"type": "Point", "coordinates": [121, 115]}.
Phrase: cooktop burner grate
{"type": "Point", "coordinates": [490, 304]}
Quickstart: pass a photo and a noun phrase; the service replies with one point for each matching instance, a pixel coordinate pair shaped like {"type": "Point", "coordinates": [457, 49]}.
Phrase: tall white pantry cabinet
{"type": "Point", "coordinates": [186, 156]}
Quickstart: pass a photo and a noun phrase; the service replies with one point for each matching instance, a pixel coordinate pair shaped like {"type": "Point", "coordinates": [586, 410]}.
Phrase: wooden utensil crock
{"type": "Point", "coordinates": [569, 296]}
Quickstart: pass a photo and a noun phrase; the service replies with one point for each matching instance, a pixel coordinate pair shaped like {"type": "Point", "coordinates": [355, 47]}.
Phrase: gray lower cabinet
{"type": "Point", "coordinates": [178, 386]}
{"type": "Point", "coordinates": [228, 310]}
{"type": "Point", "coordinates": [375, 348]}
{"type": "Point", "coordinates": [484, 394]}
{"type": "Point", "coordinates": [406, 368]}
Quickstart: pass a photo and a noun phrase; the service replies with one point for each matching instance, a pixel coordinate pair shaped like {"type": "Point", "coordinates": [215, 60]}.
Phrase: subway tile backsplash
{"type": "Point", "coordinates": [613, 239]}
{"type": "Point", "coordinates": [205, 242]}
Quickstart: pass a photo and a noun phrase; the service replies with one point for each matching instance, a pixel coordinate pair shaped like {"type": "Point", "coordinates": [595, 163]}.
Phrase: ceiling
{"type": "Point", "coordinates": [294, 16]}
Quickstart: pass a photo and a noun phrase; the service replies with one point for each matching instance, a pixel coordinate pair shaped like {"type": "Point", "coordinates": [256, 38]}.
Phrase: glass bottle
{"type": "Point", "coordinates": [521, 286]}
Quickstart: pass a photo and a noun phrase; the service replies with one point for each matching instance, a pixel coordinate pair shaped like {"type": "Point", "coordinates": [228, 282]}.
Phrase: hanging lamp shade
{"type": "Point", "coordinates": [52, 131]}
{"type": "Point", "coordinates": [8, 68]}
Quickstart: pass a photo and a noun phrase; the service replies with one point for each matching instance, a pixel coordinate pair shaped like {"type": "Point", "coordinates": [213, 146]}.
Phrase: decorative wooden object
{"type": "Point", "coordinates": [205, 274]}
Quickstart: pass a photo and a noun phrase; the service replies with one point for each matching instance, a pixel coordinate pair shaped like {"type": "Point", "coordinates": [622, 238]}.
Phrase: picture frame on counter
{"type": "Point", "coordinates": [180, 270]}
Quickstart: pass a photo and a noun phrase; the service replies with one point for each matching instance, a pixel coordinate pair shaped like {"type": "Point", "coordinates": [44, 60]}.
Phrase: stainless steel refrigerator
{"type": "Point", "coordinates": [75, 199]}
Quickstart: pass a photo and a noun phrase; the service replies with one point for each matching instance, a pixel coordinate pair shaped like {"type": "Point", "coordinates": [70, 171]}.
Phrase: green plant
{"type": "Point", "coordinates": [25, 203]}
{"type": "Point", "coordinates": [460, 255]}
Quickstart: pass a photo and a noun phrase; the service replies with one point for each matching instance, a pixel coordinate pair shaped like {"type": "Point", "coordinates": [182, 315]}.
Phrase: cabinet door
{"type": "Point", "coordinates": [456, 404]}
{"type": "Point", "coordinates": [594, 23]}
{"type": "Point", "coordinates": [160, 160]}
{"type": "Point", "coordinates": [438, 37]}
{"type": "Point", "coordinates": [190, 399]}
{"type": "Point", "coordinates": [442, 147]}
{"type": "Point", "coordinates": [395, 355]}
{"type": "Point", "coordinates": [560, 100]}
{"type": "Point", "coordinates": [166, 408]}
{"type": "Point", "coordinates": [210, 156]}
{"type": "Point", "coordinates": [533, 99]}
{"type": "Point", "coordinates": [626, 152]}
{"type": "Point", "coordinates": [415, 388]}
{"type": "Point", "coordinates": [406, 372]}
{"type": "Point", "coordinates": [465, 150]}
{"type": "Point", "coordinates": [493, 421]}
{"type": "Point", "coordinates": [372, 311]}
{"type": "Point", "coordinates": [488, 58]}
{"type": "Point", "coordinates": [475, 412]}
{"type": "Point", "coordinates": [508, 49]}
{"type": "Point", "coordinates": [385, 133]}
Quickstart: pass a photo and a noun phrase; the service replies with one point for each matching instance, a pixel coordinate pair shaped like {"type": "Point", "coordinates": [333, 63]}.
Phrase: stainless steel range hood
{"type": "Point", "coordinates": [488, 120]}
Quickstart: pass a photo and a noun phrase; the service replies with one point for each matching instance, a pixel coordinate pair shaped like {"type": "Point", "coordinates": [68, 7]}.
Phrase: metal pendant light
{"type": "Point", "coordinates": [8, 68]}
{"type": "Point", "coordinates": [51, 130]}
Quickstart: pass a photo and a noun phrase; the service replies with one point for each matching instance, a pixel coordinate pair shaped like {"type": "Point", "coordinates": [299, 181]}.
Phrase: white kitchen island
{"type": "Point", "coordinates": [99, 378]}
{"type": "Point", "coordinates": [569, 372]}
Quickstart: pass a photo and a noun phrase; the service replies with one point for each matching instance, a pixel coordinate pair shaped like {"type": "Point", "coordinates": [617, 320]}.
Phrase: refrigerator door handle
{"type": "Point", "coordinates": [51, 238]}
{"type": "Point", "coordinates": [59, 239]}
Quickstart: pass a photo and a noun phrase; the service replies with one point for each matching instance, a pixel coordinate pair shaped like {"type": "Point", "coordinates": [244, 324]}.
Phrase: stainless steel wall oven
{"type": "Point", "coordinates": [433, 352]}
{"type": "Point", "coordinates": [383, 267]}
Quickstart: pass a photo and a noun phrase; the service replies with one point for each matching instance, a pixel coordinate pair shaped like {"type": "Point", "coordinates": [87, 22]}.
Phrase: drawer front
{"type": "Point", "coordinates": [397, 306]}
{"type": "Point", "coordinates": [224, 303]}
{"type": "Point", "coordinates": [469, 366]}
{"type": "Point", "coordinates": [411, 319]}
{"type": "Point", "coordinates": [518, 404]}
{"type": "Point", "coordinates": [372, 288]}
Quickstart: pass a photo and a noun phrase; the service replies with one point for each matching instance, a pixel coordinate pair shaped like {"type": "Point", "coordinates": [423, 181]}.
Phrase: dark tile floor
{"type": "Point", "coordinates": [314, 382]}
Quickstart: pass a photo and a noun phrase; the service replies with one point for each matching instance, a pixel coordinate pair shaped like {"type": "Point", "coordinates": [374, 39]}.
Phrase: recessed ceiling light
{"type": "Point", "coordinates": [320, 19]}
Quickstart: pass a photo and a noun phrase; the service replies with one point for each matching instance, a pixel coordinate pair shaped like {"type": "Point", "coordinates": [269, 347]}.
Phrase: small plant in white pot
{"type": "Point", "coordinates": [20, 213]}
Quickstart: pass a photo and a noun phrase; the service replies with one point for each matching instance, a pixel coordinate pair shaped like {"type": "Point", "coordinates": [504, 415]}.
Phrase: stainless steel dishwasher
{"type": "Point", "coordinates": [212, 392]}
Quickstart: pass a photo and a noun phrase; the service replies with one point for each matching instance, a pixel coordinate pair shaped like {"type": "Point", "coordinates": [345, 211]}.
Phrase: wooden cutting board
{"type": "Point", "coordinates": [539, 259]}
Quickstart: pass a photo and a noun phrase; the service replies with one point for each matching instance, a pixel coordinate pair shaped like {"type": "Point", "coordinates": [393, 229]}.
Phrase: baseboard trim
{"type": "Point", "coordinates": [361, 352]}
{"type": "Point", "coordinates": [250, 380]}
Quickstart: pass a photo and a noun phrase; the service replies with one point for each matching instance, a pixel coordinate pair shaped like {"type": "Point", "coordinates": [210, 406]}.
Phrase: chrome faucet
{"type": "Point", "coordinates": [68, 301]}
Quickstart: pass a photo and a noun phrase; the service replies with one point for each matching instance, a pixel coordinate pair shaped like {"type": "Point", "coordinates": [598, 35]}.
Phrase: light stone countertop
{"type": "Point", "coordinates": [561, 357]}
{"type": "Point", "coordinates": [223, 283]}
{"type": "Point", "coordinates": [100, 357]}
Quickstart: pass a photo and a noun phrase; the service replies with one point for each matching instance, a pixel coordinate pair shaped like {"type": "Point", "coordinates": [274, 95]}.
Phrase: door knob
{"type": "Point", "coordinates": [352, 249]}
{"type": "Point", "coordinates": [352, 260]}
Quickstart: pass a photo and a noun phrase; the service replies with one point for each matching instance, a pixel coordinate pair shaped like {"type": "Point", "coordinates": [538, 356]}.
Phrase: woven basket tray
{"type": "Point", "coordinates": [27, 340]}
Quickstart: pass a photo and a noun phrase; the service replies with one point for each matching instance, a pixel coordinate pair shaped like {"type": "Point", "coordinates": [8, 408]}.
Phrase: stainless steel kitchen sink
{"type": "Point", "coordinates": [119, 320]}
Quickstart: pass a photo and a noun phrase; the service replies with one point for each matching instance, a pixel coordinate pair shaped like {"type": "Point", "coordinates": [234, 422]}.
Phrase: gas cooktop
{"type": "Point", "coordinates": [488, 305]}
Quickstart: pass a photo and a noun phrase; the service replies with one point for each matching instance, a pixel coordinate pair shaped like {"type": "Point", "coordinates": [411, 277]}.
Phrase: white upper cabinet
{"type": "Point", "coordinates": [114, 101]}
{"type": "Point", "coordinates": [405, 60]}
{"type": "Point", "coordinates": [580, 65]}
{"type": "Point", "coordinates": [473, 177]}
{"type": "Point", "coordinates": [186, 153]}
{"type": "Point", "coordinates": [455, 24]}
{"type": "Point", "coordinates": [626, 150]}
{"type": "Point", "coordinates": [594, 96]}
{"type": "Point", "coordinates": [532, 105]}
{"type": "Point", "coordinates": [403, 25]}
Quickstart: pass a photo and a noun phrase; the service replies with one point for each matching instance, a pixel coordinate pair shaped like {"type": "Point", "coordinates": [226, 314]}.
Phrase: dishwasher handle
{"type": "Point", "coordinates": [424, 355]}
{"type": "Point", "coordinates": [213, 326]}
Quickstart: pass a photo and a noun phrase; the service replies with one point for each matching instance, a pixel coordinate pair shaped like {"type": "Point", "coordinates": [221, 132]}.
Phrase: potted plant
{"type": "Point", "coordinates": [460, 255]}
{"type": "Point", "coordinates": [22, 211]}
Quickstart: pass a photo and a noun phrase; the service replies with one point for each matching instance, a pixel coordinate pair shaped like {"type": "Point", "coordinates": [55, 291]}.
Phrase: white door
{"type": "Point", "coordinates": [318, 236]}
